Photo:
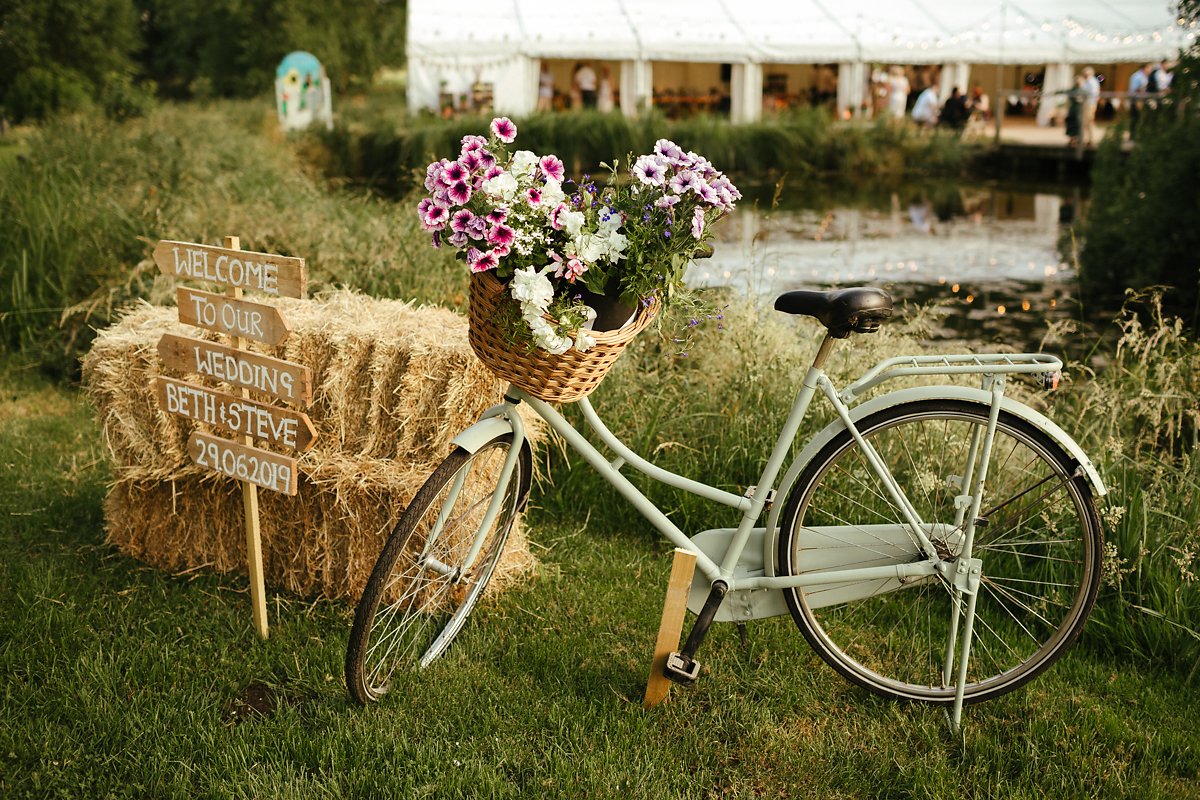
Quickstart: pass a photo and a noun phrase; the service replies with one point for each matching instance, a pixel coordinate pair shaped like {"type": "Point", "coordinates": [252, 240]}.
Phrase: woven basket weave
{"type": "Point", "coordinates": [552, 378]}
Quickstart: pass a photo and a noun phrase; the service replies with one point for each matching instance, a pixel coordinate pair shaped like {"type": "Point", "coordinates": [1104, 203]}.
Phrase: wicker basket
{"type": "Point", "coordinates": [560, 378]}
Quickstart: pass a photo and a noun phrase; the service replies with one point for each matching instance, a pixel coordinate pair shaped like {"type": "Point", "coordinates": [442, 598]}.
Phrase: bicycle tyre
{"type": "Point", "coordinates": [409, 612]}
{"type": "Point", "coordinates": [1040, 551]}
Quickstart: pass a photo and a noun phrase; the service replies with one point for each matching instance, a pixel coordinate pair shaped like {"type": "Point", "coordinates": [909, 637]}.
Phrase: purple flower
{"type": "Point", "coordinates": [669, 150]}
{"type": "Point", "coordinates": [472, 144]}
{"type": "Point", "coordinates": [437, 239]}
{"type": "Point", "coordinates": [486, 159]}
{"type": "Point", "coordinates": [501, 234]}
{"type": "Point", "coordinates": [460, 193]}
{"type": "Point", "coordinates": [458, 239]}
{"type": "Point", "coordinates": [433, 176]}
{"type": "Point", "coordinates": [473, 255]}
{"type": "Point", "coordinates": [552, 168]}
{"type": "Point", "coordinates": [477, 227]}
{"type": "Point", "coordinates": [460, 220]}
{"type": "Point", "coordinates": [504, 129]}
{"type": "Point", "coordinates": [497, 215]}
{"type": "Point", "coordinates": [708, 194]}
{"type": "Point", "coordinates": [649, 170]}
{"type": "Point", "coordinates": [683, 181]}
{"type": "Point", "coordinates": [666, 201]}
{"type": "Point", "coordinates": [666, 234]}
{"type": "Point", "coordinates": [698, 222]}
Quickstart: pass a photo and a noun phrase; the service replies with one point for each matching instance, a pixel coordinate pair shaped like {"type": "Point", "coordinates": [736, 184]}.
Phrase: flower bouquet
{"type": "Point", "coordinates": [545, 251]}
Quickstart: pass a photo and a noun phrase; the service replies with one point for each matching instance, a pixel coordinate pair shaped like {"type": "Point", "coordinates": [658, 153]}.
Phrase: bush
{"type": "Point", "coordinates": [122, 98]}
{"type": "Point", "coordinates": [38, 92]}
{"type": "Point", "coordinates": [1141, 230]}
{"type": "Point", "coordinates": [802, 143]}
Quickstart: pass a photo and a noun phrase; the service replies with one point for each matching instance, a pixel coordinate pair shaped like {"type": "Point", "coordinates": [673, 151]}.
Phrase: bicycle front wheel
{"type": "Point", "coordinates": [1039, 546]}
{"type": "Point", "coordinates": [434, 566]}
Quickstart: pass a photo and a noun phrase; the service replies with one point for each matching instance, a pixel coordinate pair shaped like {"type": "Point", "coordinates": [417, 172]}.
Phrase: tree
{"type": "Point", "coordinates": [1141, 230]}
{"type": "Point", "coordinates": [61, 53]}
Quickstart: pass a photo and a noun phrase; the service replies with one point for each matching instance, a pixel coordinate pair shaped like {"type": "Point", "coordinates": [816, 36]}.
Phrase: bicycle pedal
{"type": "Point", "coordinates": [682, 669]}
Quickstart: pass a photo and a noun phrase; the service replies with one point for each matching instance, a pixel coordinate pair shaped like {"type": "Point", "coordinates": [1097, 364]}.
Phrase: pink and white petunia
{"type": "Point", "coordinates": [497, 215]}
{"type": "Point", "coordinates": [484, 262]}
{"type": "Point", "coordinates": [470, 160]}
{"type": "Point", "coordinates": [433, 216]}
{"type": "Point", "coordinates": [473, 144]}
{"type": "Point", "coordinates": [534, 196]}
{"type": "Point", "coordinates": [552, 168]}
{"type": "Point", "coordinates": [460, 193]}
{"type": "Point", "coordinates": [570, 269]}
{"type": "Point", "coordinates": [559, 209]}
{"type": "Point", "coordinates": [500, 251]}
{"type": "Point", "coordinates": [460, 219]}
{"type": "Point", "coordinates": [504, 129]}
{"type": "Point", "coordinates": [494, 171]}
{"type": "Point", "coordinates": [501, 235]}
{"type": "Point", "coordinates": [453, 173]}
{"type": "Point", "coordinates": [698, 222]}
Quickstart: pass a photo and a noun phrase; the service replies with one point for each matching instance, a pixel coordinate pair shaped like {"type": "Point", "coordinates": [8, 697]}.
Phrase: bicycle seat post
{"type": "Point", "coordinates": [823, 350]}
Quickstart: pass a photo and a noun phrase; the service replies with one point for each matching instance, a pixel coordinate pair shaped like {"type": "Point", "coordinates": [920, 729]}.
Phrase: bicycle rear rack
{"type": "Point", "coordinates": [989, 364]}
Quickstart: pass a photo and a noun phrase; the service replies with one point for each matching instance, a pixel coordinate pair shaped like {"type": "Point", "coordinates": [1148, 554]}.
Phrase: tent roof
{"type": "Point", "coordinates": [797, 31]}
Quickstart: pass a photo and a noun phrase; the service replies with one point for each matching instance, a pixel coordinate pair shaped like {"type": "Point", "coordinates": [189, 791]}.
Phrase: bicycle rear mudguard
{"type": "Point", "coordinates": [964, 393]}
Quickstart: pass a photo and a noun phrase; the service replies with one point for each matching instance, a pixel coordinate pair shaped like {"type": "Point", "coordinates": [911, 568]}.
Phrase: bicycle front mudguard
{"type": "Point", "coordinates": [961, 393]}
{"type": "Point", "coordinates": [500, 420]}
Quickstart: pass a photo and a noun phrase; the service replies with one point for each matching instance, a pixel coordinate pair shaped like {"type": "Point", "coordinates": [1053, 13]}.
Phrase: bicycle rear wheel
{"type": "Point", "coordinates": [422, 589]}
{"type": "Point", "coordinates": [1040, 550]}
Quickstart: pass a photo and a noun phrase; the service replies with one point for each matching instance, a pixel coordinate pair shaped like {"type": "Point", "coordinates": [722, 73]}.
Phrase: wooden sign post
{"type": "Point", "coordinates": [237, 414]}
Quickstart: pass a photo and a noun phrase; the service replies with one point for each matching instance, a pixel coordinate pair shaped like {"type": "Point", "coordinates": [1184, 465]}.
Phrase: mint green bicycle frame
{"type": "Point", "coordinates": [963, 573]}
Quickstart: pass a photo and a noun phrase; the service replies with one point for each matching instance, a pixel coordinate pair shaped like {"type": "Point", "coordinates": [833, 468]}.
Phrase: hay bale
{"type": "Point", "coordinates": [392, 385]}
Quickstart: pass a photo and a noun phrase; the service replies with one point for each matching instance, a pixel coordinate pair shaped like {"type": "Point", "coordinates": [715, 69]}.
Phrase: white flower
{"type": "Point", "coordinates": [590, 247]}
{"type": "Point", "coordinates": [609, 220]}
{"type": "Point", "coordinates": [584, 341]}
{"type": "Point", "coordinates": [617, 242]}
{"type": "Point", "coordinates": [503, 186]}
{"type": "Point", "coordinates": [552, 194]}
{"type": "Point", "coordinates": [572, 221]}
{"type": "Point", "coordinates": [523, 163]}
{"type": "Point", "coordinates": [532, 288]}
{"type": "Point", "coordinates": [545, 337]}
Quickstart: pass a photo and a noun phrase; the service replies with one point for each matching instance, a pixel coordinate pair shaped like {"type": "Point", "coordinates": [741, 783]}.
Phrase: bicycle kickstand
{"type": "Point", "coordinates": [682, 667]}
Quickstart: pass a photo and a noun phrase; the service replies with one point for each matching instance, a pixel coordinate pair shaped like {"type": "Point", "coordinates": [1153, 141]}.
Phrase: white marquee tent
{"type": "Point", "coordinates": [501, 42]}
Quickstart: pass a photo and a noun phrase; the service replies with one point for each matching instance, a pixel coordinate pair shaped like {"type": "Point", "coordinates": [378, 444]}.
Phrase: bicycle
{"type": "Point", "coordinates": [893, 565]}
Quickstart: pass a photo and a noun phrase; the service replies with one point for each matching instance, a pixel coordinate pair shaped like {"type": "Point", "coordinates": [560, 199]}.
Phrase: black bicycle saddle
{"type": "Point", "coordinates": [842, 311]}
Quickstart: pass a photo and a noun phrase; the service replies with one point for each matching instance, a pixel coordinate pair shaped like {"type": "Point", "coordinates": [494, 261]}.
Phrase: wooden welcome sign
{"type": "Point", "coordinates": [237, 414]}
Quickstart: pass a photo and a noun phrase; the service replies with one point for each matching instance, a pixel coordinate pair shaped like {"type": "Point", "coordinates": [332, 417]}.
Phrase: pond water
{"type": "Point", "coordinates": [989, 252]}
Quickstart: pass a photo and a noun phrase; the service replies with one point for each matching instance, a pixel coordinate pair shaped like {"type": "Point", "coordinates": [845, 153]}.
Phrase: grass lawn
{"type": "Point", "coordinates": [119, 681]}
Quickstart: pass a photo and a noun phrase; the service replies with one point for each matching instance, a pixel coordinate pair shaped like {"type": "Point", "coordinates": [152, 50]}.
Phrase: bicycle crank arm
{"type": "Point", "coordinates": [682, 667]}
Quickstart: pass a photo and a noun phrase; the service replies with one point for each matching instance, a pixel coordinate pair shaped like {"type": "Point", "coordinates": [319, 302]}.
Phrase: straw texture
{"type": "Point", "coordinates": [392, 385]}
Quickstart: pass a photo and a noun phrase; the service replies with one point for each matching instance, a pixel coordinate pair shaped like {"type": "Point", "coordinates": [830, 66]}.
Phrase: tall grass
{"type": "Point", "coordinates": [81, 213]}
{"type": "Point", "coordinates": [802, 143]}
